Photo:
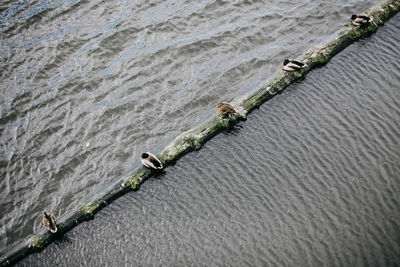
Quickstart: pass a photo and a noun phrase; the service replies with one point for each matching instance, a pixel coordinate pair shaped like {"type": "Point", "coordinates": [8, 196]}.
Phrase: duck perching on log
{"type": "Point", "coordinates": [360, 20]}
{"type": "Point", "coordinates": [49, 222]}
{"type": "Point", "coordinates": [225, 109]}
{"type": "Point", "coordinates": [151, 161]}
{"type": "Point", "coordinates": [292, 65]}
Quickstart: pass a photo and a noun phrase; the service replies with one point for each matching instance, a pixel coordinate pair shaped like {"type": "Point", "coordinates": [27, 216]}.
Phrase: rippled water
{"type": "Point", "coordinates": [310, 179]}
{"type": "Point", "coordinates": [86, 86]}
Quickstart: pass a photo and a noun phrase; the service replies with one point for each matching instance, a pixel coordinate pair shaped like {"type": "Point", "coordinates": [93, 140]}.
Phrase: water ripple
{"type": "Point", "coordinates": [87, 85]}
{"type": "Point", "coordinates": [310, 179]}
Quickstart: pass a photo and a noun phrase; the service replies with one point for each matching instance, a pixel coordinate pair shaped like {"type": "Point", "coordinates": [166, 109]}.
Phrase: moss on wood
{"type": "Point", "coordinates": [36, 242]}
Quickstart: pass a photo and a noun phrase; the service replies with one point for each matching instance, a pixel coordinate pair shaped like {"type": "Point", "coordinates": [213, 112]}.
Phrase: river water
{"type": "Point", "coordinates": [86, 86]}
{"type": "Point", "coordinates": [310, 179]}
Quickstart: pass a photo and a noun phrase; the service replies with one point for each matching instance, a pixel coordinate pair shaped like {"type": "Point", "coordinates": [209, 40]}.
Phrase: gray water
{"type": "Point", "coordinates": [310, 179]}
{"type": "Point", "coordinates": [86, 86]}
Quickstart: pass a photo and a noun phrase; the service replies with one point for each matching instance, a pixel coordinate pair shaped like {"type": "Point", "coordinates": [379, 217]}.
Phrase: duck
{"type": "Point", "coordinates": [292, 65]}
{"type": "Point", "coordinates": [225, 108]}
{"type": "Point", "coordinates": [360, 20]}
{"type": "Point", "coordinates": [49, 222]}
{"type": "Point", "coordinates": [151, 161]}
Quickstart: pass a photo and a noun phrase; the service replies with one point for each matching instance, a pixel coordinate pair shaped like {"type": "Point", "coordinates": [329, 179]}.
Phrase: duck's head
{"type": "Point", "coordinates": [144, 156]}
{"type": "Point", "coordinates": [286, 61]}
{"type": "Point", "coordinates": [353, 17]}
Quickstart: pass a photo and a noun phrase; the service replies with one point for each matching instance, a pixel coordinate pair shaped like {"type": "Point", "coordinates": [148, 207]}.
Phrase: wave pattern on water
{"type": "Point", "coordinates": [310, 179]}
{"type": "Point", "coordinates": [86, 86]}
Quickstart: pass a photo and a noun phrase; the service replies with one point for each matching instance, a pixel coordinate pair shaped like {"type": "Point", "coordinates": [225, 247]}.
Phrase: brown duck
{"type": "Point", "coordinates": [49, 222]}
{"type": "Point", "coordinates": [226, 109]}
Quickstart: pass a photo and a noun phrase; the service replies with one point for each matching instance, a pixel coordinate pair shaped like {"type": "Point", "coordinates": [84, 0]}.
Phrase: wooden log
{"type": "Point", "coordinates": [195, 138]}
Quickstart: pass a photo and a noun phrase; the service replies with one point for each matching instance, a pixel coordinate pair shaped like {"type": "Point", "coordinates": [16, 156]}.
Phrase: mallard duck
{"type": "Point", "coordinates": [151, 161]}
{"type": "Point", "coordinates": [49, 222]}
{"type": "Point", "coordinates": [225, 108]}
{"type": "Point", "coordinates": [292, 65]}
{"type": "Point", "coordinates": [360, 20]}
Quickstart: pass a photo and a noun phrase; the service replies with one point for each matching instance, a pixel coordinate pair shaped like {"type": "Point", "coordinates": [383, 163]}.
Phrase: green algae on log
{"type": "Point", "coordinates": [195, 138]}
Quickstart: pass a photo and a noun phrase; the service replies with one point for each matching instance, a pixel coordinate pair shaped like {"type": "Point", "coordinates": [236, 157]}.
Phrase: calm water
{"type": "Point", "coordinates": [310, 179]}
{"type": "Point", "coordinates": [86, 86]}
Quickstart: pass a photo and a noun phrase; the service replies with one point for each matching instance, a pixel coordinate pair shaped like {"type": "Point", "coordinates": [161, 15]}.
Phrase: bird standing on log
{"type": "Point", "coordinates": [151, 161]}
{"type": "Point", "coordinates": [360, 20]}
{"type": "Point", "coordinates": [292, 65]}
{"type": "Point", "coordinates": [225, 109]}
{"type": "Point", "coordinates": [49, 222]}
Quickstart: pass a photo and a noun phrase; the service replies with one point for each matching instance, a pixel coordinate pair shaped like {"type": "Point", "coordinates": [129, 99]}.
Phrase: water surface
{"type": "Point", "coordinates": [86, 86]}
{"type": "Point", "coordinates": [310, 179]}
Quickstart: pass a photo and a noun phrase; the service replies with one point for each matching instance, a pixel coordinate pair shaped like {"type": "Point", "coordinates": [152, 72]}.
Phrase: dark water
{"type": "Point", "coordinates": [310, 179]}
{"type": "Point", "coordinates": [86, 86]}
